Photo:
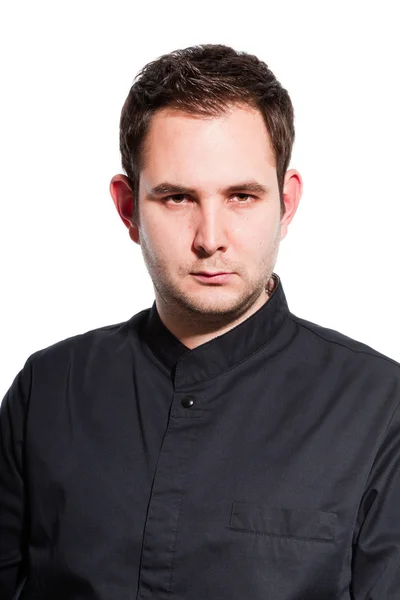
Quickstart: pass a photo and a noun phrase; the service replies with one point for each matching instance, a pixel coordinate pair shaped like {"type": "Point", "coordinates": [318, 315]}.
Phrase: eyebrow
{"type": "Point", "coordinates": [166, 188]}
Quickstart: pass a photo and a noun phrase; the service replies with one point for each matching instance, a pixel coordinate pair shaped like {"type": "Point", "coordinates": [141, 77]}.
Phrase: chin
{"type": "Point", "coordinates": [214, 302]}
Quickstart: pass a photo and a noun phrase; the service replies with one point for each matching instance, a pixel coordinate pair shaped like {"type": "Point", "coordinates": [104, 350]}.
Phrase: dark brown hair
{"type": "Point", "coordinates": [205, 80]}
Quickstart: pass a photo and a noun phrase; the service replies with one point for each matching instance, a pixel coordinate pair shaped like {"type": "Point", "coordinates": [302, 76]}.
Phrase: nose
{"type": "Point", "coordinates": [210, 230]}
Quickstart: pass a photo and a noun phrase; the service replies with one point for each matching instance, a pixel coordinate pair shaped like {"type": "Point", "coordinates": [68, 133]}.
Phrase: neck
{"type": "Point", "coordinates": [193, 331]}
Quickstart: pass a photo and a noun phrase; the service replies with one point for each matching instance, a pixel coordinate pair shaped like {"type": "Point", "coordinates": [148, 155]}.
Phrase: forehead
{"type": "Point", "coordinates": [237, 134]}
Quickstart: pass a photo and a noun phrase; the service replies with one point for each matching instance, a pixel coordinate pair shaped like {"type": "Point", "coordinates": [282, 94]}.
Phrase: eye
{"type": "Point", "coordinates": [176, 198]}
{"type": "Point", "coordinates": [244, 198]}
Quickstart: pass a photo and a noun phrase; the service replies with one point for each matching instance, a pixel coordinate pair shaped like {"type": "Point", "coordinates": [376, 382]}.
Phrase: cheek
{"type": "Point", "coordinates": [254, 236]}
{"type": "Point", "coordinates": [163, 241]}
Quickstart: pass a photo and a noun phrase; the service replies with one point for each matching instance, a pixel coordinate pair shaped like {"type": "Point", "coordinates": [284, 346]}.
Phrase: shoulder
{"type": "Point", "coordinates": [51, 372]}
{"type": "Point", "coordinates": [103, 341]}
{"type": "Point", "coordinates": [316, 338]}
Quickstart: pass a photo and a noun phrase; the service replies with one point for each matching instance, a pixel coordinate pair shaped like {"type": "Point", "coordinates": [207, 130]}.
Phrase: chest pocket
{"type": "Point", "coordinates": [283, 522]}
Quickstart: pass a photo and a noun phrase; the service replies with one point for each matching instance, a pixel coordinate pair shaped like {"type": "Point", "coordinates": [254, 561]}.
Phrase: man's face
{"type": "Point", "coordinates": [209, 229]}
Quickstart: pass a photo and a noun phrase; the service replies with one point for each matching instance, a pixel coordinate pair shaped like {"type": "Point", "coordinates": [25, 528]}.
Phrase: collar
{"type": "Point", "coordinates": [225, 351]}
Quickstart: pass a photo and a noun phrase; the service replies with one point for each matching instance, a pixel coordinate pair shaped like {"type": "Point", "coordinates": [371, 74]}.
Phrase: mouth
{"type": "Point", "coordinates": [208, 277]}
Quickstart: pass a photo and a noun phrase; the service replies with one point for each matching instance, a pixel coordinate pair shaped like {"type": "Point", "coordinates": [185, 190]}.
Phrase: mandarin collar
{"type": "Point", "coordinates": [223, 352]}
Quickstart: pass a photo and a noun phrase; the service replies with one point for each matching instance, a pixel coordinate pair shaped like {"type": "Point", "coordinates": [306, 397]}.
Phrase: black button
{"type": "Point", "coordinates": [187, 401]}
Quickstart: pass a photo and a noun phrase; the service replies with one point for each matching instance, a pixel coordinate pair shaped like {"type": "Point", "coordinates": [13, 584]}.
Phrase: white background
{"type": "Point", "coordinates": [67, 263]}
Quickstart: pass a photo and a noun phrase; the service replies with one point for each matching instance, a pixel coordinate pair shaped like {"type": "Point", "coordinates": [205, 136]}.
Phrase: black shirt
{"type": "Point", "coordinates": [261, 465]}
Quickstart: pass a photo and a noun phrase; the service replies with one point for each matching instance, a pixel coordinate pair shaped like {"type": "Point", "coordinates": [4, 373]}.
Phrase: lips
{"type": "Point", "coordinates": [213, 278]}
{"type": "Point", "coordinates": [207, 274]}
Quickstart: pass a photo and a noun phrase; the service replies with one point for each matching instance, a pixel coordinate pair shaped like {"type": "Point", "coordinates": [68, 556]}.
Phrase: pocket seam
{"type": "Point", "coordinates": [330, 540]}
{"type": "Point", "coordinates": [284, 536]}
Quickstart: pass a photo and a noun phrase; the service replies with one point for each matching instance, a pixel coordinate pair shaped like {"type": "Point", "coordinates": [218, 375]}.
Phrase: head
{"type": "Point", "coordinates": [206, 136]}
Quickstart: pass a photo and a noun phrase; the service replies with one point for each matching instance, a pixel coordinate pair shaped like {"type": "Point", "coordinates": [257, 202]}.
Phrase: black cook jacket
{"type": "Point", "coordinates": [262, 465]}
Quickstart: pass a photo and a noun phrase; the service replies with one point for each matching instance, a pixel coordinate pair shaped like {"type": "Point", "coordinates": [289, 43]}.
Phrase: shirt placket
{"type": "Point", "coordinates": [164, 522]}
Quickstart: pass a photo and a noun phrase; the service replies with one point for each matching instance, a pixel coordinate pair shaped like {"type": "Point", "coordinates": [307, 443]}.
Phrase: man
{"type": "Point", "coordinates": [214, 446]}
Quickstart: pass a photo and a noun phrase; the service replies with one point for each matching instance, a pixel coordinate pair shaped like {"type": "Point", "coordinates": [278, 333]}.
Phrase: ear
{"type": "Point", "coordinates": [292, 191]}
{"type": "Point", "coordinates": [122, 196]}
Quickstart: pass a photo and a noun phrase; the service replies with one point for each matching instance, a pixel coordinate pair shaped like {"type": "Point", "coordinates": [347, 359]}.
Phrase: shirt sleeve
{"type": "Point", "coordinates": [376, 549]}
{"type": "Point", "coordinates": [13, 526]}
